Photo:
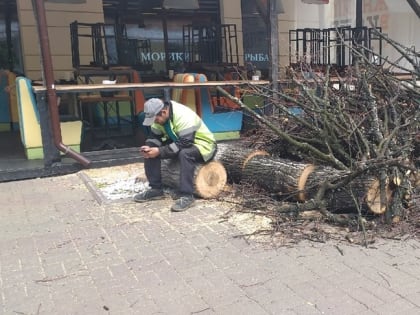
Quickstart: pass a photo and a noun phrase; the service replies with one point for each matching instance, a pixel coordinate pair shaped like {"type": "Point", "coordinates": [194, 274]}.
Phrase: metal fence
{"type": "Point", "coordinates": [109, 44]}
{"type": "Point", "coordinates": [333, 46]}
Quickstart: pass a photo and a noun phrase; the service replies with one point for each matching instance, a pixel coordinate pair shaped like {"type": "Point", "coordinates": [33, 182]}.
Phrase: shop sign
{"type": "Point", "coordinates": [161, 56]}
{"type": "Point", "coordinates": [257, 57]}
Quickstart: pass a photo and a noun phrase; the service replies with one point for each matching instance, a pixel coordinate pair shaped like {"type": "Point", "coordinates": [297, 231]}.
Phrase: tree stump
{"type": "Point", "coordinates": [209, 178]}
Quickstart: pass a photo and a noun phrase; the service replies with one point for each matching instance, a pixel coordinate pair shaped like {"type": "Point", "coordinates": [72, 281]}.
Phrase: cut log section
{"type": "Point", "coordinates": [301, 182]}
{"type": "Point", "coordinates": [279, 176]}
{"type": "Point", "coordinates": [234, 158]}
{"type": "Point", "coordinates": [362, 190]}
{"type": "Point", "coordinates": [209, 178]}
{"type": "Point", "coordinates": [373, 197]}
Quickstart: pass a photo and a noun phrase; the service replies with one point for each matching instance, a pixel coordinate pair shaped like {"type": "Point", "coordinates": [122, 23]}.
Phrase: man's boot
{"type": "Point", "coordinates": [151, 194]}
{"type": "Point", "coordinates": [183, 203]}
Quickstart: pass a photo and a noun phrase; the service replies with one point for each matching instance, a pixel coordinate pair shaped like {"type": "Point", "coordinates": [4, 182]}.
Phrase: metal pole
{"type": "Point", "coordinates": [48, 74]}
{"type": "Point", "coordinates": [274, 48]}
{"type": "Point", "coordinates": [165, 39]}
{"type": "Point", "coordinates": [359, 13]}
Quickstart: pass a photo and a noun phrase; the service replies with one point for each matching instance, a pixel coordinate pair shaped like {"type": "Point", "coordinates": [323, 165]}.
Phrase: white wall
{"type": "Point", "coordinates": [403, 28]}
{"type": "Point", "coordinates": [395, 17]}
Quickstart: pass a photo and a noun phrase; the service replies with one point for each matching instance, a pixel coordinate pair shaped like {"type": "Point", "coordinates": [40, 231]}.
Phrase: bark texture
{"type": "Point", "coordinates": [235, 157]}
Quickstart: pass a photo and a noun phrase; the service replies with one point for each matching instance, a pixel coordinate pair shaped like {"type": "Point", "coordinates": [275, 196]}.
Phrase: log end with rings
{"type": "Point", "coordinates": [210, 179]}
{"type": "Point", "coordinates": [252, 155]}
{"type": "Point", "coordinates": [373, 197]}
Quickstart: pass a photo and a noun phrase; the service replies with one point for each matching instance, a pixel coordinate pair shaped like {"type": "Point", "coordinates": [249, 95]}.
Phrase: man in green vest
{"type": "Point", "coordinates": [176, 132]}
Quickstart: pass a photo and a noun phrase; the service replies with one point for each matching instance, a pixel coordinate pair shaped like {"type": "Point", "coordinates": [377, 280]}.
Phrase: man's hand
{"type": "Point", "coordinates": [149, 152]}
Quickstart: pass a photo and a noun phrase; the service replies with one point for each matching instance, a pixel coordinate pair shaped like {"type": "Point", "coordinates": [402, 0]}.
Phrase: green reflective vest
{"type": "Point", "coordinates": [184, 122]}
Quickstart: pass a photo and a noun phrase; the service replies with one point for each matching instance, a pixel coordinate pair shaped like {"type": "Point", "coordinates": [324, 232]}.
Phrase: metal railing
{"type": "Point", "coordinates": [333, 46]}
{"type": "Point", "coordinates": [110, 46]}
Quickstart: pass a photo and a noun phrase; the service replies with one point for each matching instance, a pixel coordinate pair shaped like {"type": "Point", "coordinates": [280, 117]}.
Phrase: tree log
{"type": "Point", "coordinates": [234, 158]}
{"type": "Point", "coordinates": [277, 175]}
{"type": "Point", "coordinates": [302, 182]}
{"type": "Point", "coordinates": [373, 197]}
{"type": "Point", "coordinates": [209, 178]}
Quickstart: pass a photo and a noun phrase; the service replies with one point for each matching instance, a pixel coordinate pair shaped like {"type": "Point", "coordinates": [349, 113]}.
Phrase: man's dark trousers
{"type": "Point", "coordinates": [188, 159]}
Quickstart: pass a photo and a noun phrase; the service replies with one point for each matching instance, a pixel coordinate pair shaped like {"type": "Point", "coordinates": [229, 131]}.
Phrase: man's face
{"type": "Point", "coordinates": [162, 116]}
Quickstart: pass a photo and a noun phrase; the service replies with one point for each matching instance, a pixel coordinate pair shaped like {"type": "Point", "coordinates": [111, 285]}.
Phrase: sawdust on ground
{"type": "Point", "coordinates": [124, 181]}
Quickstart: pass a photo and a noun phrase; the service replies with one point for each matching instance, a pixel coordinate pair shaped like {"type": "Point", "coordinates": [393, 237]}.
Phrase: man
{"type": "Point", "coordinates": [176, 132]}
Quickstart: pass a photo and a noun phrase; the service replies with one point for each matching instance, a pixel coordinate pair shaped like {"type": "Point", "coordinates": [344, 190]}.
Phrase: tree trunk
{"type": "Point", "coordinates": [278, 175]}
{"type": "Point", "coordinates": [234, 158]}
{"type": "Point", "coordinates": [301, 182]}
{"type": "Point", "coordinates": [209, 178]}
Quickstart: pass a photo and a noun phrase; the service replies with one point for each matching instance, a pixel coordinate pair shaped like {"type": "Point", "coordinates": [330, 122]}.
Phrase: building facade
{"type": "Point", "coordinates": [250, 19]}
{"type": "Point", "coordinates": [220, 33]}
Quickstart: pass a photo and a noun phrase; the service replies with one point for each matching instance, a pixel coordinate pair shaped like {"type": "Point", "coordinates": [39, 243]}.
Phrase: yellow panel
{"type": "Point", "coordinates": [12, 97]}
{"type": "Point", "coordinates": [29, 126]}
{"type": "Point", "coordinates": [71, 132]}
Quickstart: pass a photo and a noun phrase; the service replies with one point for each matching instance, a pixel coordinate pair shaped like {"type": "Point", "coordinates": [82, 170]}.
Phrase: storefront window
{"type": "Point", "coordinates": [10, 52]}
{"type": "Point", "coordinates": [156, 40]}
{"type": "Point", "coordinates": [255, 35]}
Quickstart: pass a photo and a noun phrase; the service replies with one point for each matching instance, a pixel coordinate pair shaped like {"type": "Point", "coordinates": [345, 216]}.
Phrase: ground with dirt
{"type": "Point", "coordinates": [121, 183]}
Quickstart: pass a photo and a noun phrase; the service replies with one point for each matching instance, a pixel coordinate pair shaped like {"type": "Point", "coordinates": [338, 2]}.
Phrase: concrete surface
{"type": "Point", "coordinates": [63, 252]}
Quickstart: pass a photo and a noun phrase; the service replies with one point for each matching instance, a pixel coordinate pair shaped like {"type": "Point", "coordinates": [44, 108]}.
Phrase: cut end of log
{"type": "Point", "coordinates": [373, 198]}
{"type": "Point", "coordinates": [302, 182]}
{"type": "Point", "coordinates": [252, 155]}
{"type": "Point", "coordinates": [210, 179]}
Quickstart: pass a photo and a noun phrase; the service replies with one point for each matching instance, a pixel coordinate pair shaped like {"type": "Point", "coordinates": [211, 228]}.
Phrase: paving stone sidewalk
{"type": "Point", "coordinates": [62, 252]}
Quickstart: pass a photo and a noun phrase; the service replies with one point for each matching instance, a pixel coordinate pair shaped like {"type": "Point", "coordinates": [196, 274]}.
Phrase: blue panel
{"type": "Point", "coordinates": [218, 122]}
{"type": "Point", "coordinates": [4, 99]}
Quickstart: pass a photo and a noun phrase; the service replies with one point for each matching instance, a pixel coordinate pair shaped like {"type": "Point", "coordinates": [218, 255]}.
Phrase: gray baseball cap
{"type": "Point", "coordinates": [151, 108]}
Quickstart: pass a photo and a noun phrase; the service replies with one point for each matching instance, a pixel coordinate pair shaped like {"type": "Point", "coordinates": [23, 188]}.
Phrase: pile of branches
{"type": "Point", "coordinates": [363, 123]}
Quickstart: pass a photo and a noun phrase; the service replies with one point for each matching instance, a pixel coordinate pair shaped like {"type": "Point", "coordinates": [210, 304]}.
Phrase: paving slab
{"type": "Point", "coordinates": [64, 251]}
